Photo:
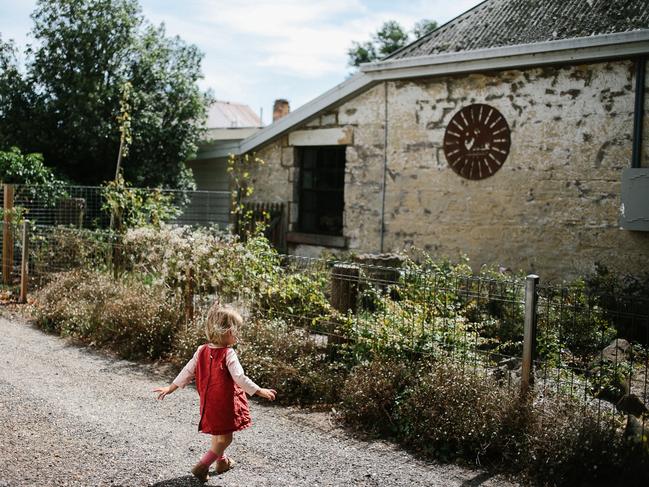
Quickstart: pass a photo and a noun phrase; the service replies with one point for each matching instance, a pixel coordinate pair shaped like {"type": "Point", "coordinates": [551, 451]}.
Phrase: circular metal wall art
{"type": "Point", "coordinates": [476, 142]}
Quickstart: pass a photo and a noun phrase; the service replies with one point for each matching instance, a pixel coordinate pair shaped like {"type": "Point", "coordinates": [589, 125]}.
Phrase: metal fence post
{"type": "Point", "coordinates": [24, 263]}
{"type": "Point", "coordinates": [529, 333]}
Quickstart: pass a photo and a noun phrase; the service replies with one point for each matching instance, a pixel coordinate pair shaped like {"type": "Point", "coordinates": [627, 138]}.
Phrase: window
{"type": "Point", "coordinates": [321, 196]}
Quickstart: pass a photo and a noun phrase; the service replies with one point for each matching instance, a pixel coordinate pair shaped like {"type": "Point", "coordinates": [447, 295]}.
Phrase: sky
{"type": "Point", "coordinates": [258, 51]}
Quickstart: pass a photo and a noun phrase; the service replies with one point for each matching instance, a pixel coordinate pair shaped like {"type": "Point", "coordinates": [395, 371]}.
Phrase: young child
{"type": "Point", "coordinates": [221, 383]}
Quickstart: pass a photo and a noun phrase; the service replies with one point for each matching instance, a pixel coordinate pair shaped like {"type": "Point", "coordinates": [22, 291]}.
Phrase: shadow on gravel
{"type": "Point", "coordinates": [478, 479]}
{"type": "Point", "coordinates": [186, 481]}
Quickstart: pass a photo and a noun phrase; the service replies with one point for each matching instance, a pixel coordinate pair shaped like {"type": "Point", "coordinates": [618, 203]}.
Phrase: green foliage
{"type": "Point", "coordinates": [85, 52]}
{"type": "Point", "coordinates": [423, 27]}
{"type": "Point", "coordinates": [361, 52]}
{"type": "Point", "coordinates": [240, 169]}
{"type": "Point", "coordinates": [124, 122]}
{"type": "Point", "coordinates": [390, 37]}
{"type": "Point", "coordinates": [298, 296]}
{"type": "Point", "coordinates": [28, 169]}
{"type": "Point", "coordinates": [14, 97]}
{"type": "Point", "coordinates": [135, 207]}
{"type": "Point", "coordinates": [622, 297]}
{"type": "Point", "coordinates": [573, 320]}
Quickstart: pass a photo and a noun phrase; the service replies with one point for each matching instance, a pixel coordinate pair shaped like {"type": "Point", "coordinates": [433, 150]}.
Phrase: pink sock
{"type": "Point", "coordinates": [209, 458]}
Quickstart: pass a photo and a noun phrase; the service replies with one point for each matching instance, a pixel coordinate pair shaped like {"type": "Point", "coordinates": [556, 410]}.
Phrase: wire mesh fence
{"type": "Point", "coordinates": [85, 206]}
{"type": "Point", "coordinates": [594, 352]}
{"type": "Point", "coordinates": [587, 347]}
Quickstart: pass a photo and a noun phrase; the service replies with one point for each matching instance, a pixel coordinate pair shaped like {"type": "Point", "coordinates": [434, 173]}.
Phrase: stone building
{"type": "Point", "coordinates": [504, 135]}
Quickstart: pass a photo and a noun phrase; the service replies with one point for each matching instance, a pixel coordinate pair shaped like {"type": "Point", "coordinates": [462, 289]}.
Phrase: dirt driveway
{"type": "Point", "coordinates": [73, 416]}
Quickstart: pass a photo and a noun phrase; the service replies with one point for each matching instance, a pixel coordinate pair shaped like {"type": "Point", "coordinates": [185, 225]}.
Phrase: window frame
{"type": "Point", "coordinates": [318, 192]}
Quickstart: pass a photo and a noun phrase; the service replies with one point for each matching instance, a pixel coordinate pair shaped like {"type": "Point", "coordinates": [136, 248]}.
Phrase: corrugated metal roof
{"type": "Point", "coordinates": [498, 23]}
{"type": "Point", "coordinates": [225, 114]}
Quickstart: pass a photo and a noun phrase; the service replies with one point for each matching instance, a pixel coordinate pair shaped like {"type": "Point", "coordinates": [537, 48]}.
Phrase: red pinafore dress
{"type": "Point", "coordinates": [223, 404]}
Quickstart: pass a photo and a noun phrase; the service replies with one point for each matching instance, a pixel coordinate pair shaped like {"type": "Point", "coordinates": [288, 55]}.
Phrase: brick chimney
{"type": "Point", "coordinates": [281, 108]}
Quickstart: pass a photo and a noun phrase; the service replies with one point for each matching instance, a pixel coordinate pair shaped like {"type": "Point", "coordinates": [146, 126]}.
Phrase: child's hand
{"type": "Point", "coordinates": [163, 391]}
{"type": "Point", "coordinates": [267, 394]}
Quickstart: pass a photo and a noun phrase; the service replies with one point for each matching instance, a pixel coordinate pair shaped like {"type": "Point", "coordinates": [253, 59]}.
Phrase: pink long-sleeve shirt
{"type": "Point", "coordinates": [234, 367]}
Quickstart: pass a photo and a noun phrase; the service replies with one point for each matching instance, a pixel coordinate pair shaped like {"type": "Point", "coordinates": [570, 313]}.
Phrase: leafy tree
{"type": "Point", "coordinates": [86, 52]}
{"type": "Point", "coordinates": [14, 97]}
{"type": "Point", "coordinates": [28, 170]}
{"type": "Point", "coordinates": [390, 37]}
{"type": "Point", "coordinates": [423, 27]}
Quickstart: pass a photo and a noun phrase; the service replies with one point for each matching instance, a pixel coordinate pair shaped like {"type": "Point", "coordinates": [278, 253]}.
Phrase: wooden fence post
{"type": "Point", "coordinates": [344, 287]}
{"type": "Point", "coordinates": [24, 263]}
{"type": "Point", "coordinates": [7, 235]}
{"type": "Point", "coordinates": [529, 333]}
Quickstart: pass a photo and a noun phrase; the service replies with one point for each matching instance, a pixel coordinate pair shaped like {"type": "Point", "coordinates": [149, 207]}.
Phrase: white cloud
{"type": "Point", "coordinates": [258, 50]}
{"type": "Point", "coordinates": [306, 38]}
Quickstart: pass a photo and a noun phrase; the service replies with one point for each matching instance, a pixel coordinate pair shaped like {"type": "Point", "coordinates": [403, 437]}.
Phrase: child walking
{"type": "Point", "coordinates": [222, 387]}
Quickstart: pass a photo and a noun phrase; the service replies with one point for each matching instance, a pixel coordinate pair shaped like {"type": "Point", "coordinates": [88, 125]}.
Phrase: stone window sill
{"type": "Point", "coordinates": [337, 241]}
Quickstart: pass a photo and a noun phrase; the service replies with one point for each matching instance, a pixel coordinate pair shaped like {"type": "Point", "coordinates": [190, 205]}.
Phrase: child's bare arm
{"type": "Point", "coordinates": [164, 391]}
{"type": "Point", "coordinates": [266, 394]}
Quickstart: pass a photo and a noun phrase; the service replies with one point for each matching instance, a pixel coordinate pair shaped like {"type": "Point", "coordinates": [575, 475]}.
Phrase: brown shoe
{"type": "Point", "coordinates": [200, 471]}
{"type": "Point", "coordinates": [224, 465]}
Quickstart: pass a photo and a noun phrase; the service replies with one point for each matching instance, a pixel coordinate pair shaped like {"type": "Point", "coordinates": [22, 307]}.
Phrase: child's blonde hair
{"type": "Point", "coordinates": [220, 319]}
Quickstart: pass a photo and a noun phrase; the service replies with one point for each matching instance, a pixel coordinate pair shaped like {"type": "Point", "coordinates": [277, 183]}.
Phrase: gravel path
{"type": "Point", "coordinates": [74, 416]}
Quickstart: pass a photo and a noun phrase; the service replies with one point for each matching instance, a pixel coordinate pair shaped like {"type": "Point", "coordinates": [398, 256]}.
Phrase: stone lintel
{"type": "Point", "coordinates": [332, 136]}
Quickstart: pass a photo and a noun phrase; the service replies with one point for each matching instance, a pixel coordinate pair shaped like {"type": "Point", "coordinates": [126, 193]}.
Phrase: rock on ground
{"type": "Point", "coordinates": [72, 416]}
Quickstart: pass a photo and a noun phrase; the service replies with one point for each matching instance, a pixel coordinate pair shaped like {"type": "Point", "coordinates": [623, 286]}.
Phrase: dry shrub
{"type": "Point", "coordinates": [571, 444]}
{"type": "Point", "coordinates": [278, 356]}
{"type": "Point", "coordinates": [446, 412]}
{"type": "Point", "coordinates": [371, 394]}
{"type": "Point", "coordinates": [453, 413]}
{"type": "Point", "coordinates": [185, 342]}
{"type": "Point", "coordinates": [129, 317]}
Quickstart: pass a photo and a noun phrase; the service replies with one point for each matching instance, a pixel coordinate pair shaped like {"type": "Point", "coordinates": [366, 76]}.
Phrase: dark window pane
{"type": "Point", "coordinates": [322, 189]}
{"type": "Point", "coordinates": [307, 179]}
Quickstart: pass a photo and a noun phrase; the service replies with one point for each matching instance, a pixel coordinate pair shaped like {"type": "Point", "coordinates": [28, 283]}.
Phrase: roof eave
{"type": "Point", "coordinates": [587, 49]}
{"type": "Point", "coordinates": [578, 49]}
{"type": "Point", "coordinates": [347, 88]}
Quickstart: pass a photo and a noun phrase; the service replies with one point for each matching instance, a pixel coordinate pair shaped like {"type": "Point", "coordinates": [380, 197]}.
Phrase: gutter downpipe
{"type": "Point", "coordinates": [638, 114]}
{"type": "Point", "coordinates": [385, 163]}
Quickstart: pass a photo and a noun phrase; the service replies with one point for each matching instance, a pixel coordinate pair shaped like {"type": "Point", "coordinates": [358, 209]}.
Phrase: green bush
{"type": "Point", "coordinates": [572, 318]}
{"type": "Point", "coordinates": [297, 297]}
{"type": "Point", "coordinates": [137, 207]}
{"type": "Point", "coordinates": [28, 169]}
{"type": "Point", "coordinates": [134, 320]}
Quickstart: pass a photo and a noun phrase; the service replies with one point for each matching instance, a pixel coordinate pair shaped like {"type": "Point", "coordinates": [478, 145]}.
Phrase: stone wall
{"type": "Point", "coordinates": [553, 206]}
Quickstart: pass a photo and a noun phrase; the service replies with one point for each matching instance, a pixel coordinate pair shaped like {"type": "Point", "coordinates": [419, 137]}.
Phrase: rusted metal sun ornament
{"type": "Point", "coordinates": [477, 141]}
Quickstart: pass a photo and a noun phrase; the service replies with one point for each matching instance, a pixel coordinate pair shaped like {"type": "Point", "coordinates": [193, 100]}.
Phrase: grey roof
{"type": "Point", "coordinates": [225, 114]}
{"type": "Point", "coordinates": [498, 23]}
